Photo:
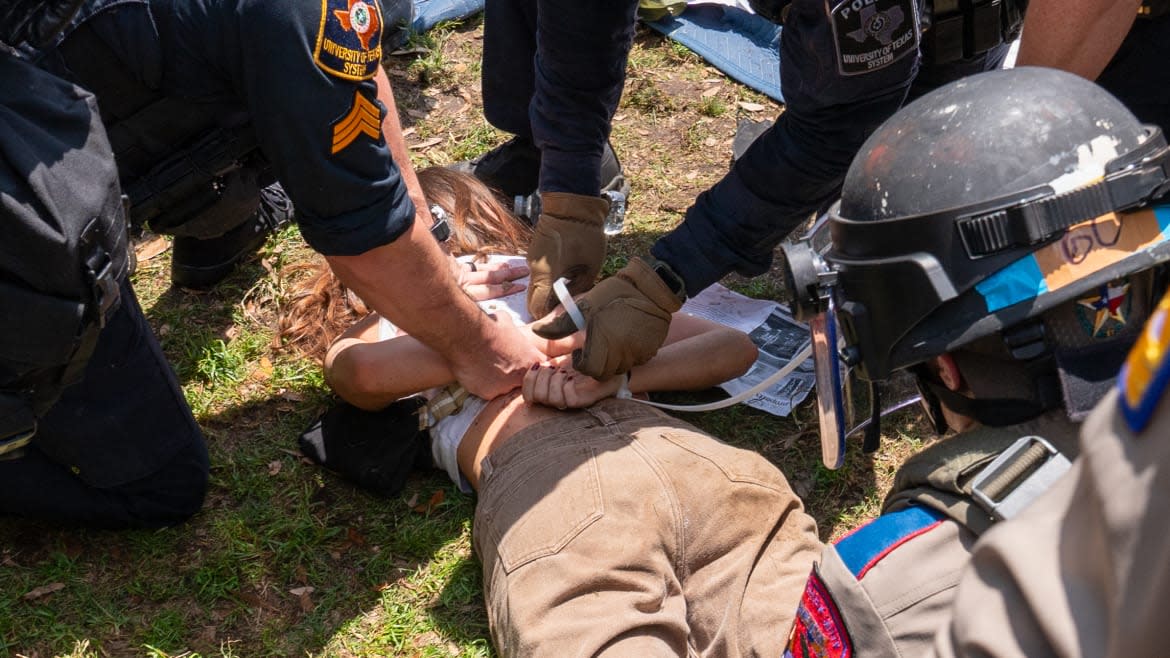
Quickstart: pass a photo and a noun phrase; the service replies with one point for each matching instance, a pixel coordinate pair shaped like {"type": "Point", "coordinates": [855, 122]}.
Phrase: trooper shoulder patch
{"type": "Point", "coordinates": [872, 34]}
{"type": "Point", "coordinates": [349, 41]}
{"type": "Point", "coordinates": [1146, 371]}
{"type": "Point", "coordinates": [818, 630]}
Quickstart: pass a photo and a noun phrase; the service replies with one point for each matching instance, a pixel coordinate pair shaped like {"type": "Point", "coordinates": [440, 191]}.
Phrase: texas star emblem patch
{"type": "Point", "coordinates": [872, 34]}
{"type": "Point", "coordinates": [363, 118]}
{"type": "Point", "coordinates": [349, 41]}
{"type": "Point", "coordinates": [1105, 313]}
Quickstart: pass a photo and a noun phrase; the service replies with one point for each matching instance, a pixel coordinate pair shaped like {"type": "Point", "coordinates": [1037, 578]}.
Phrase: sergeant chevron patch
{"type": "Point", "coordinates": [363, 118]}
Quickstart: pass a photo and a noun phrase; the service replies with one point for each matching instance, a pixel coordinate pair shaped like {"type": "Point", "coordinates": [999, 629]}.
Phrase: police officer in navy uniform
{"type": "Point", "coordinates": [1006, 255]}
{"type": "Point", "coordinates": [845, 67]}
{"type": "Point", "coordinates": [94, 429]}
{"type": "Point", "coordinates": [247, 91]}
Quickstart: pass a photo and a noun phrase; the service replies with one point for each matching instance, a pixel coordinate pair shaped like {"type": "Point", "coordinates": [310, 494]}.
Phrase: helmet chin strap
{"type": "Point", "coordinates": [999, 412]}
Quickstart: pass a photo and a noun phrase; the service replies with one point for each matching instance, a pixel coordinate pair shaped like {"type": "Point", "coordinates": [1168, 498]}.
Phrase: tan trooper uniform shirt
{"type": "Point", "coordinates": [1085, 570]}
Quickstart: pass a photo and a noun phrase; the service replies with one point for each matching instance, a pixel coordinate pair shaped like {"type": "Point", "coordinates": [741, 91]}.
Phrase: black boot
{"type": "Point", "coordinates": [513, 168]}
{"type": "Point", "coordinates": [201, 264]}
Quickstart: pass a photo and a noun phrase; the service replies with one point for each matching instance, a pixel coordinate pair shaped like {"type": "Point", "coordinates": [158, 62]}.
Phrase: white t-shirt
{"type": "Point", "coordinates": [448, 432]}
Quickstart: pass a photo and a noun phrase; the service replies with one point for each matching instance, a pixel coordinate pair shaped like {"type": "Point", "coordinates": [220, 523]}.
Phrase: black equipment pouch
{"type": "Point", "coordinates": [188, 169]}
{"type": "Point", "coordinates": [962, 29]}
{"type": "Point", "coordinates": [376, 450]}
{"type": "Point", "coordinates": [63, 239]}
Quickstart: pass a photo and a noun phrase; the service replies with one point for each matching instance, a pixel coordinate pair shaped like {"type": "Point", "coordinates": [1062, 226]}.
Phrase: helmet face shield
{"type": "Point", "coordinates": [831, 394]}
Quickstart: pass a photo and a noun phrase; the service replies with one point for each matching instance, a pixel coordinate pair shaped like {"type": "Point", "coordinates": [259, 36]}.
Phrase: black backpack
{"type": "Point", "coordinates": [63, 241]}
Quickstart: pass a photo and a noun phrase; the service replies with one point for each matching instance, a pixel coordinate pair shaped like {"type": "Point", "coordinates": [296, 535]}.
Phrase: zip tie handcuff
{"type": "Point", "coordinates": [562, 292]}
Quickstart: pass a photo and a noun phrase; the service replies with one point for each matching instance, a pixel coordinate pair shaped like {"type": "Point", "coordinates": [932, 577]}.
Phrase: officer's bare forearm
{"type": "Point", "coordinates": [1079, 36]}
{"type": "Point", "coordinates": [410, 282]}
{"type": "Point", "coordinates": [392, 132]}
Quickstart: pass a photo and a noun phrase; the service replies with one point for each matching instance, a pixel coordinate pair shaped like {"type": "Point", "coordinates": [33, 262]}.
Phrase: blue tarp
{"type": "Point", "coordinates": [743, 45]}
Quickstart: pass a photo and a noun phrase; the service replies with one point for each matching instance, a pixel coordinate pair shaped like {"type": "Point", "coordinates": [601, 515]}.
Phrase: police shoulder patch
{"type": "Point", "coordinates": [872, 34]}
{"type": "Point", "coordinates": [349, 40]}
{"type": "Point", "coordinates": [818, 630]}
{"type": "Point", "coordinates": [1146, 371]}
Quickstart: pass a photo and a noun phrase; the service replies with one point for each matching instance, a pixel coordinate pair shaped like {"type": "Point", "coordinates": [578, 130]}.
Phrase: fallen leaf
{"type": "Point", "coordinates": [144, 251]}
{"type": "Point", "coordinates": [44, 590]}
{"type": "Point", "coordinates": [355, 537]}
{"type": "Point", "coordinates": [710, 92]}
{"type": "Point", "coordinates": [263, 371]}
{"type": "Point", "coordinates": [619, 117]}
{"type": "Point", "coordinates": [751, 107]}
{"type": "Point", "coordinates": [274, 467]}
{"type": "Point", "coordinates": [291, 396]}
{"type": "Point", "coordinates": [426, 144]}
{"type": "Point", "coordinates": [297, 591]}
{"type": "Point", "coordinates": [435, 500]}
{"type": "Point", "coordinates": [417, 114]}
{"type": "Point", "coordinates": [408, 131]}
{"type": "Point", "coordinates": [691, 175]}
{"type": "Point", "coordinates": [306, 602]}
{"type": "Point", "coordinates": [413, 500]}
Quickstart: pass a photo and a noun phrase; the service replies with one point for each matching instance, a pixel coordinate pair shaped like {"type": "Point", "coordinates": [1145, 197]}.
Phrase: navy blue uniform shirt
{"type": "Point", "coordinates": [300, 72]}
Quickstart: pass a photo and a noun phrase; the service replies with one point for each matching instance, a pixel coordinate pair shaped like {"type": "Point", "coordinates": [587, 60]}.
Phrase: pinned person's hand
{"type": "Point", "coordinates": [568, 242]}
{"type": "Point", "coordinates": [627, 318]}
{"type": "Point", "coordinates": [555, 384]}
{"type": "Point", "coordinates": [482, 281]}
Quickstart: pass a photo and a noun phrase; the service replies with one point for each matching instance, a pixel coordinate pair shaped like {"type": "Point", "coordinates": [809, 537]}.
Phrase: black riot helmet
{"type": "Point", "coordinates": [978, 207]}
{"type": "Point", "coordinates": [34, 22]}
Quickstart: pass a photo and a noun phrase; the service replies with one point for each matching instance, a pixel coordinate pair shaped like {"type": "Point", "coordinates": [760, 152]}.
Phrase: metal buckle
{"type": "Point", "coordinates": [1028, 468]}
{"type": "Point", "coordinates": [441, 229]}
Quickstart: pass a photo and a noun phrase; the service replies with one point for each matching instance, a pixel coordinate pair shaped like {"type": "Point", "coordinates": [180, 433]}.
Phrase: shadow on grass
{"type": "Point", "coordinates": [283, 558]}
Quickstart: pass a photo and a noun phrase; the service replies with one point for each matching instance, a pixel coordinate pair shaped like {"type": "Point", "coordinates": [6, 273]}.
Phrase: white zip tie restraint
{"type": "Point", "coordinates": [562, 292]}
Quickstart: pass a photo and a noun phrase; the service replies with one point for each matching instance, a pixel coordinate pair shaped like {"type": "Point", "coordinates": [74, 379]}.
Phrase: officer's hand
{"type": "Point", "coordinates": [569, 242]}
{"type": "Point", "coordinates": [498, 365]}
{"type": "Point", "coordinates": [627, 317]}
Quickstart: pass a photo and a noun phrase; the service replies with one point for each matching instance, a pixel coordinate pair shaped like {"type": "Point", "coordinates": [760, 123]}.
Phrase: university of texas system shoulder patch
{"type": "Point", "coordinates": [872, 34]}
{"type": "Point", "coordinates": [349, 41]}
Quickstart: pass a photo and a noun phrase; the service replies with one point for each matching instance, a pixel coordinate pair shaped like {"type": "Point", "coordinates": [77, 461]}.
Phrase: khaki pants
{"type": "Point", "coordinates": [622, 531]}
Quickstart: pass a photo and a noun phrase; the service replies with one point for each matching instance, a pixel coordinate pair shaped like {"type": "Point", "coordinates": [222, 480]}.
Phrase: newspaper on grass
{"type": "Point", "coordinates": [778, 336]}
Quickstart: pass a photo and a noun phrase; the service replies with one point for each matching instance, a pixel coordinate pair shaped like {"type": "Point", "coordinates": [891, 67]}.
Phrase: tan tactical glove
{"type": "Point", "coordinates": [627, 316]}
{"type": "Point", "coordinates": [569, 243]}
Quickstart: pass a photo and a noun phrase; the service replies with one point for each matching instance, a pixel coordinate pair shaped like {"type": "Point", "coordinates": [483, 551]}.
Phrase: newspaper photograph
{"type": "Point", "coordinates": [778, 336]}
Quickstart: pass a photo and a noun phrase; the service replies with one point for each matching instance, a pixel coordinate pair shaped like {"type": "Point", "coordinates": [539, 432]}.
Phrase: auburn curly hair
{"type": "Point", "coordinates": [319, 307]}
